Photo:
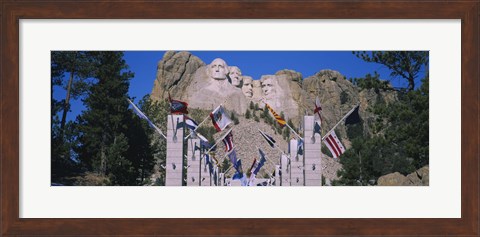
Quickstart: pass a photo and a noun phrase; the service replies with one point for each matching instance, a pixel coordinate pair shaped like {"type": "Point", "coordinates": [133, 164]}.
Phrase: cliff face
{"type": "Point", "coordinates": [338, 96]}
{"type": "Point", "coordinates": [175, 72]}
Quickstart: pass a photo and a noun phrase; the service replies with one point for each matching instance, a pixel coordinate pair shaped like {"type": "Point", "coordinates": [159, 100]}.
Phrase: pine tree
{"type": "Point", "coordinates": [157, 112]}
{"type": "Point", "coordinates": [248, 115]}
{"type": "Point", "coordinates": [252, 106]}
{"type": "Point", "coordinates": [104, 124]}
{"type": "Point", "coordinates": [77, 65]}
{"type": "Point", "coordinates": [404, 64]}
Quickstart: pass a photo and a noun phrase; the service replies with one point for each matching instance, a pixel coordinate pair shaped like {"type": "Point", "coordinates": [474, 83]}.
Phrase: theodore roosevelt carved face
{"type": "Point", "coordinates": [235, 75]}
{"type": "Point", "coordinates": [218, 69]}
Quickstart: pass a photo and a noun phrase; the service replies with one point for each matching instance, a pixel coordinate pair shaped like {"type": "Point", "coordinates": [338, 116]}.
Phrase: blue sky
{"type": "Point", "coordinates": [252, 63]}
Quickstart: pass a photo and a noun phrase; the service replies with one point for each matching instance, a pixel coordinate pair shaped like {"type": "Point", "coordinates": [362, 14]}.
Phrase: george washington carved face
{"type": "Point", "coordinates": [218, 69]}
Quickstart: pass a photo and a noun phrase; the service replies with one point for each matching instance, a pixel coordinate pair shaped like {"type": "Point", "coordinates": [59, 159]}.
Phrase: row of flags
{"type": "Point", "coordinates": [221, 121]}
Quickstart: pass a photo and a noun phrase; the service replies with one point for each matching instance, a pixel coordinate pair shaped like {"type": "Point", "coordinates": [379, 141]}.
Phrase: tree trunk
{"type": "Point", "coordinates": [66, 106]}
{"type": "Point", "coordinates": [411, 84]}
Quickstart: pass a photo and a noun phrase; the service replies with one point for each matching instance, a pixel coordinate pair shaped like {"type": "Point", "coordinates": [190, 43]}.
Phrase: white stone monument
{"type": "Point", "coordinates": [284, 177]}
{"type": "Point", "coordinates": [174, 163]}
{"type": "Point", "coordinates": [193, 162]}
{"type": "Point", "coordinates": [205, 177]}
{"type": "Point", "coordinates": [313, 154]}
{"type": "Point", "coordinates": [277, 177]}
{"type": "Point", "coordinates": [296, 163]}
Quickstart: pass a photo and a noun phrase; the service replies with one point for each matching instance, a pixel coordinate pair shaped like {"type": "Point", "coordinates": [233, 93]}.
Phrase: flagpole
{"type": "Point", "coordinates": [154, 126]}
{"type": "Point", "coordinates": [203, 121]}
{"type": "Point", "coordinates": [266, 158]}
{"type": "Point", "coordinates": [344, 117]}
{"type": "Point", "coordinates": [218, 141]}
{"type": "Point", "coordinates": [228, 153]}
{"type": "Point", "coordinates": [265, 102]}
{"type": "Point", "coordinates": [294, 131]}
{"type": "Point", "coordinates": [275, 144]}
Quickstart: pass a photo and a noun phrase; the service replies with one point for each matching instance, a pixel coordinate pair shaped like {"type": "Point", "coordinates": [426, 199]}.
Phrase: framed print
{"type": "Point", "coordinates": [115, 183]}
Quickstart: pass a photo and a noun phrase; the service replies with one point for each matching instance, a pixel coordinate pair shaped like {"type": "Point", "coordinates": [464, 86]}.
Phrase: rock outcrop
{"type": "Point", "coordinates": [417, 178]}
{"type": "Point", "coordinates": [174, 73]}
{"type": "Point", "coordinates": [338, 96]}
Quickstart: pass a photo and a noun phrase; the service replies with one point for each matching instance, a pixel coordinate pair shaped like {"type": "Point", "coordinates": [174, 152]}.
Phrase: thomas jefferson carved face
{"type": "Point", "coordinates": [218, 69]}
{"type": "Point", "coordinates": [235, 75]}
{"type": "Point", "coordinates": [247, 87]}
{"type": "Point", "coordinates": [268, 86]}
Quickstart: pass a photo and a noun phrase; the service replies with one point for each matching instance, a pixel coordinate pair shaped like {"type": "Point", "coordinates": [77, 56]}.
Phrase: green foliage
{"type": "Point", "coordinates": [265, 112]}
{"type": "Point", "coordinates": [234, 118]}
{"type": "Point", "coordinates": [400, 144]}
{"type": "Point", "coordinates": [256, 118]}
{"type": "Point", "coordinates": [256, 107]}
{"type": "Point", "coordinates": [372, 82]}
{"type": "Point", "coordinates": [248, 115]}
{"type": "Point", "coordinates": [326, 151]}
{"type": "Point", "coordinates": [157, 112]}
{"type": "Point", "coordinates": [252, 106]}
{"type": "Point", "coordinates": [77, 66]}
{"type": "Point", "coordinates": [404, 64]}
{"type": "Point", "coordinates": [225, 165]}
{"type": "Point", "coordinates": [290, 123]}
{"type": "Point", "coordinates": [286, 134]}
{"type": "Point", "coordinates": [199, 115]}
{"type": "Point", "coordinates": [355, 130]}
{"type": "Point", "coordinates": [114, 142]}
{"type": "Point", "coordinates": [343, 97]}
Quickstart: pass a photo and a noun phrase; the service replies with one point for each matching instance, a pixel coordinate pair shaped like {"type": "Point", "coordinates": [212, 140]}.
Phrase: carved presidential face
{"type": "Point", "coordinates": [218, 69]}
{"type": "Point", "coordinates": [247, 87]}
{"type": "Point", "coordinates": [268, 86]}
{"type": "Point", "coordinates": [235, 75]}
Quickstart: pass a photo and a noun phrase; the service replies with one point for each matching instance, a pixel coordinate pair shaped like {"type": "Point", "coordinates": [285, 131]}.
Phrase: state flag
{"type": "Point", "coordinates": [269, 139]}
{"type": "Point", "coordinates": [277, 117]}
{"type": "Point", "coordinates": [228, 141]}
{"type": "Point", "coordinates": [354, 117]}
{"type": "Point", "coordinates": [334, 145]}
{"type": "Point", "coordinates": [177, 107]}
{"type": "Point", "coordinates": [220, 119]}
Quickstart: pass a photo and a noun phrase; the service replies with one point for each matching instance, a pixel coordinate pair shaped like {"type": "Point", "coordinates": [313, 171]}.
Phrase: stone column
{"type": "Point", "coordinates": [296, 161]}
{"type": "Point", "coordinates": [205, 179]}
{"type": "Point", "coordinates": [221, 176]}
{"type": "Point", "coordinates": [313, 154]}
{"type": "Point", "coordinates": [284, 179]}
{"type": "Point", "coordinates": [193, 162]}
{"type": "Point", "coordinates": [174, 164]}
{"type": "Point", "coordinates": [277, 176]}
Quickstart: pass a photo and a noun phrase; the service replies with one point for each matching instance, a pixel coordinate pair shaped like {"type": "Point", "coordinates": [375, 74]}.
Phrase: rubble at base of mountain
{"type": "Point", "coordinates": [417, 178]}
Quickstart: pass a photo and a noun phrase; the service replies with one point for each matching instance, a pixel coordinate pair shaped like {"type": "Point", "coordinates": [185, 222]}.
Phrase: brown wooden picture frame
{"type": "Point", "coordinates": [12, 11]}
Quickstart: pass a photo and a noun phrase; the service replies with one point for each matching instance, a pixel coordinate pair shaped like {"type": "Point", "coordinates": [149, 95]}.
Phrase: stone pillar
{"type": "Point", "coordinates": [193, 162]}
{"type": "Point", "coordinates": [284, 177]}
{"type": "Point", "coordinates": [205, 179]}
{"type": "Point", "coordinates": [174, 164]}
{"type": "Point", "coordinates": [221, 176]}
{"type": "Point", "coordinates": [277, 176]}
{"type": "Point", "coordinates": [313, 154]}
{"type": "Point", "coordinates": [296, 161]}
